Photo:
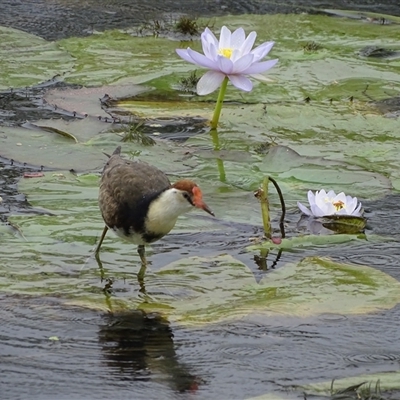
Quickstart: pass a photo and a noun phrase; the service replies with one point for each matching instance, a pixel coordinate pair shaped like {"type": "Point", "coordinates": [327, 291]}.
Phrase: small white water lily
{"type": "Point", "coordinates": [230, 57]}
{"type": "Point", "coordinates": [323, 204]}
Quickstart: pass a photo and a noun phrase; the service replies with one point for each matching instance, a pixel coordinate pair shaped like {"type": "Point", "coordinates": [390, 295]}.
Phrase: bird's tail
{"type": "Point", "coordinates": [117, 151]}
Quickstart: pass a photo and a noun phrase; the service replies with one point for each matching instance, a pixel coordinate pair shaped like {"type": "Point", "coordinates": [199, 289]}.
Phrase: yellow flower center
{"type": "Point", "coordinates": [226, 52]}
{"type": "Point", "coordinates": [338, 205]}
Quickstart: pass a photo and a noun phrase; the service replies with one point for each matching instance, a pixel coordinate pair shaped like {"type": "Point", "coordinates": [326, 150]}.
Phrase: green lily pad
{"type": "Point", "coordinates": [54, 256]}
{"type": "Point", "coordinates": [307, 241]}
{"type": "Point", "coordinates": [272, 396]}
{"type": "Point", "coordinates": [117, 57]}
{"type": "Point", "coordinates": [86, 101]}
{"type": "Point", "coordinates": [80, 145]}
{"type": "Point", "coordinates": [200, 290]}
{"type": "Point", "coordinates": [27, 59]}
{"type": "Point", "coordinates": [291, 168]}
{"type": "Point", "coordinates": [387, 381]}
{"type": "Point", "coordinates": [370, 16]}
{"type": "Point", "coordinates": [49, 148]}
{"type": "Point", "coordinates": [344, 223]}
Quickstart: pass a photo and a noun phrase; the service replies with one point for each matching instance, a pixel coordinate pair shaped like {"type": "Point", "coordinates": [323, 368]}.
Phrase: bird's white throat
{"type": "Point", "coordinates": [165, 210]}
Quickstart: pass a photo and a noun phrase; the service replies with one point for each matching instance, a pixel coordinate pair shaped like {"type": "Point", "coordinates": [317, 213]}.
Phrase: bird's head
{"type": "Point", "coordinates": [192, 194]}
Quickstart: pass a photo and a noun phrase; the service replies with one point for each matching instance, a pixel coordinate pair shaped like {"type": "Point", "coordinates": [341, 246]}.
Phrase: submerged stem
{"type": "Point", "coordinates": [220, 101]}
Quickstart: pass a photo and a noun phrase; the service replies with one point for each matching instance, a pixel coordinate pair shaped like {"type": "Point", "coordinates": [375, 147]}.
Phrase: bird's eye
{"type": "Point", "coordinates": [187, 196]}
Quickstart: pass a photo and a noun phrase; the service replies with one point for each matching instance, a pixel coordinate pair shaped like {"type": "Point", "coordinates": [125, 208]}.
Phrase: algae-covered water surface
{"type": "Point", "coordinates": [221, 312]}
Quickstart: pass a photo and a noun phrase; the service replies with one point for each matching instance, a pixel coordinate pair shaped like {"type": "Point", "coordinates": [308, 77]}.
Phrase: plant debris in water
{"type": "Point", "coordinates": [134, 133]}
{"type": "Point", "coordinates": [187, 25]}
{"type": "Point", "coordinates": [311, 47]}
{"type": "Point", "coordinates": [153, 27]}
{"type": "Point", "coordinates": [189, 84]}
{"type": "Point", "coordinates": [264, 147]}
{"type": "Point", "coordinates": [164, 27]}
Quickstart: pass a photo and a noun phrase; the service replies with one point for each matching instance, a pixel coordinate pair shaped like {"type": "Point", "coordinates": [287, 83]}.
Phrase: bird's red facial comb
{"type": "Point", "coordinates": [198, 200]}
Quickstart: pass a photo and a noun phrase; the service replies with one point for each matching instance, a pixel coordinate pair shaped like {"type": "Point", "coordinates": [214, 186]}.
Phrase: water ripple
{"type": "Point", "coordinates": [372, 358]}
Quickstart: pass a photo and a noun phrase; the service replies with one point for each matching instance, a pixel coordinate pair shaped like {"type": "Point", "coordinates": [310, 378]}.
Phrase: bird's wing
{"type": "Point", "coordinates": [126, 190]}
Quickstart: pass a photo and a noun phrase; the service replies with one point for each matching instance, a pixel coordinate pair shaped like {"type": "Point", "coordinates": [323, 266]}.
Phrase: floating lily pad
{"type": "Point", "coordinates": [200, 290]}
{"type": "Point", "coordinates": [50, 148]}
{"type": "Point", "coordinates": [272, 396]}
{"type": "Point", "coordinates": [344, 223]}
{"type": "Point", "coordinates": [168, 108]}
{"type": "Point", "coordinates": [80, 145]}
{"type": "Point", "coordinates": [307, 241]}
{"type": "Point", "coordinates": [371, 17]}
{"type": "Point", "coordinates": [57, 244]}
{"type": "Point", "coordinates": [288, 166]}
{"type": "Point", "coordinates": [27, 59]}
{"type": "Point", "coordinates": [388, 381]}
{"type": "Point", "coordinates": [87, 101]}
{"type": "Point", "coordinates": [115, 56]}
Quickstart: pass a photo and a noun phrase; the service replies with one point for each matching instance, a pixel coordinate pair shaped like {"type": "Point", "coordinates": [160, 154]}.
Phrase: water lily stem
{"type": "Point", "coordinates": [262, 195]}
{"type": "Point", "coordinates": [265, 208]}
{"type": "Point", "coordinates": [220, 163]}
{"type": "Point", "coordinates": [218, 106]}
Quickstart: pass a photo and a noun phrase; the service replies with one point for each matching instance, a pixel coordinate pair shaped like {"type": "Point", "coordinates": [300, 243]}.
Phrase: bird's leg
{"type": "Point", "coordinates": [142, 253]}
{"type": "Point", "coordinates": [103, 235]}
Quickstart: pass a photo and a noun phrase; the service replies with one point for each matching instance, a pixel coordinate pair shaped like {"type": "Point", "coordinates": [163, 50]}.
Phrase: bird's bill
{"type": "Point", "coordinates": [198, 201]}
{"type": "Point", "coordinates": [203, 206]}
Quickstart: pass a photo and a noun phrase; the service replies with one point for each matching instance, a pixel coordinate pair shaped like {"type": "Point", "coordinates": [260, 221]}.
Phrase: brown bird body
{"type": "Point", "coordinates": [138, 202]}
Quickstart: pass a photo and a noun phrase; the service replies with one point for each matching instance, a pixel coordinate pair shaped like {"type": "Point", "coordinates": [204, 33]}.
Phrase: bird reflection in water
{"type": "Point", "coordinates": [140, 346]}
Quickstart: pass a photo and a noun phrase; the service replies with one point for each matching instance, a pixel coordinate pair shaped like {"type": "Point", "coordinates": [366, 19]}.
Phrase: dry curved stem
{"type": "Point", "coordinates": [262, 195]}
{"type": "Point", "coordinates": [283, 207]}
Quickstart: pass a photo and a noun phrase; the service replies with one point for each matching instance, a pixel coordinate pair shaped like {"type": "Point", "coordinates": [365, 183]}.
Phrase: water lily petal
{"type": "Point", "coordinates": [241, 82]}
{"type": "Point", "coordinates": [230, 56]}
{"type": "Point", "coordinates": [261, 78]}
{"type": "Point", "coordinates": [185, 55]}
{"type": "Point", "coordinates": [202, 60]}
{"type": "Point", "coordinates": [304, 209]}
{"type": "Point", "coordinates": [236, 55]}
{"type": "Point", "coordinates": [237, 39]}
{"type": "Point", "coordinates": [351, 204]}
{"type": "Point", "coordinates": [210, 46]}
{"type": "Point", "coordinates": [358, 212]}
{"type": "Point", "coordinates": [208, 38]}
{"type": "Point", "coordinates": [209, 82]}
{"type": "Point", "coordinates": [317, 212]}
{"type": "Point", "coordinates": [260, 67]}
{"type": "Point", "coordinates": [311, 197]}
{"type": "Point", "coordinates": [225, 65]}
{"type": "Point", "coordinates": [242, 64]}
{"type": "Point", "coordinates": [331, 194]}
{"type": "Point", "coordinates": [213, 52]}
{"type": "Point", "coordinates": [261, 51]}
{"type": "Point", "coordinates": [323, 204]}
{"type": "Point", "coordinates": [248, 43]}
{"type": "Point", "coordinates": [225, 38]}
{"type": "Point", "coordinates": [340, 198]}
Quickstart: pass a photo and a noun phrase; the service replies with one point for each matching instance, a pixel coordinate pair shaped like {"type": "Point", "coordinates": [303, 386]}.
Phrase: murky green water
{"type": "Point", "coordinates": [213, 318]}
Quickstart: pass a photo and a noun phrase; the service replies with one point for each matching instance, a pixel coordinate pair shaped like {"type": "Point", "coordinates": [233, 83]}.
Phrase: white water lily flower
{"type": "Point", "coordinates": [323, 204]}
{"type": "Point", "coordinates": [231, 56]}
